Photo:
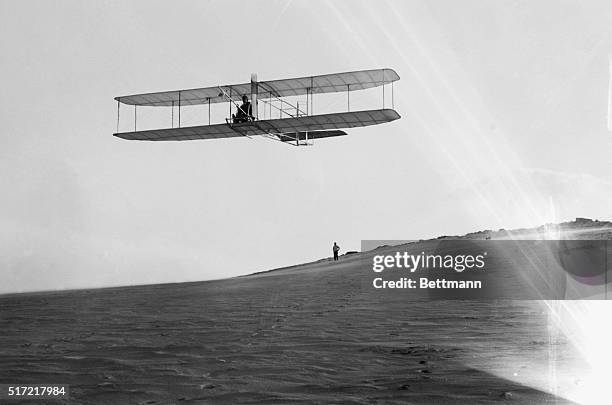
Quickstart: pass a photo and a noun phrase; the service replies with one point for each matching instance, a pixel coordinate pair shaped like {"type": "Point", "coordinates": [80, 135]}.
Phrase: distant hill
{"type": "Point", "coordinates": [580, 228]}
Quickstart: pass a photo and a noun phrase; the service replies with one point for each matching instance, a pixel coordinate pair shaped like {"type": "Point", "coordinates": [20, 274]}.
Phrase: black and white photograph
{"type": "Point", "coordinates": [306, 202]}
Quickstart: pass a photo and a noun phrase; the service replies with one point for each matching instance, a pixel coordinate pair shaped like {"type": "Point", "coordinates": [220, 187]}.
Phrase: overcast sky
{"type": "Point", "coordinates": [503, 124]}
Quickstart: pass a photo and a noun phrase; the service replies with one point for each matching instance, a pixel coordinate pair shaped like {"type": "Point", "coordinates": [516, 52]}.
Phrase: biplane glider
{"type": "Point", "coordinates": [295, 125]}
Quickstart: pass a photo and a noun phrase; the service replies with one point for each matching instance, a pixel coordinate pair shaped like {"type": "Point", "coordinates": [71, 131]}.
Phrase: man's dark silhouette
{"type": "Point", "coordinates": [245, 112]}
{"type": "Point", "coordinates": [336, 249]}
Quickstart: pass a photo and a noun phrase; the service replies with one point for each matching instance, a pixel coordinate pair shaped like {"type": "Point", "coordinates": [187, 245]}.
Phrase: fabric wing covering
{"type": "Point", "coordinates": [324, 122]}
{"type": "Point", "coordinates": [330, 83]}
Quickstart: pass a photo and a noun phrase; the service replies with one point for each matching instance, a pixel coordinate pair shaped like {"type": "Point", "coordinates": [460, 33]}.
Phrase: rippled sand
{"type": "Point", "coordinates": [306, 334]}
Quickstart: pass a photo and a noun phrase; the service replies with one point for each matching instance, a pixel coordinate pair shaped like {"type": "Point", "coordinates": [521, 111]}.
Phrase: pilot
{"type": "Point", "coordinates": [245, 112]}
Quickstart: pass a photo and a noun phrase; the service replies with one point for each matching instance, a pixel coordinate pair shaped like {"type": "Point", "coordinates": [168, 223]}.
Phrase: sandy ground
{"type": "Point", "coordinates": [306, 334]}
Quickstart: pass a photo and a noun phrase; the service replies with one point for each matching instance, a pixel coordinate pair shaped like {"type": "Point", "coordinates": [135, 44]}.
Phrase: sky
{"type": "Point", "coordinates": [503, 105]}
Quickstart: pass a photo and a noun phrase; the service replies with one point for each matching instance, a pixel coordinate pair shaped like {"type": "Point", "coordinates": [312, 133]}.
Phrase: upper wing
{"type": "Point", "coordinates": [279, 126]}
{"type": "Point", "coordinates": [187, 97]}
{"type": "Point", "coordinates": [330, 83]}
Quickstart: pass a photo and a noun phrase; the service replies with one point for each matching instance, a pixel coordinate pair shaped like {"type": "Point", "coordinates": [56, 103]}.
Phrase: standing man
{"type": "Point", "coordinates": [336, 249]}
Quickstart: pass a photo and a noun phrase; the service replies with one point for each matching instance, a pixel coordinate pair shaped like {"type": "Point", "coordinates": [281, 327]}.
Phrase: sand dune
{"type": "Point", "coordinates": [305, 334]}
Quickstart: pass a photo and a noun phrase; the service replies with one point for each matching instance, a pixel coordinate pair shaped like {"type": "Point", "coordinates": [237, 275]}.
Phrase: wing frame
{"type": "Point", "coordinates": [316, 84]}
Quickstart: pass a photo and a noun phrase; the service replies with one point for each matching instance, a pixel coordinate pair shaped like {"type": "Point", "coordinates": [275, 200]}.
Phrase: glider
{"type": "Point", "coordinates": [296, 125]}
